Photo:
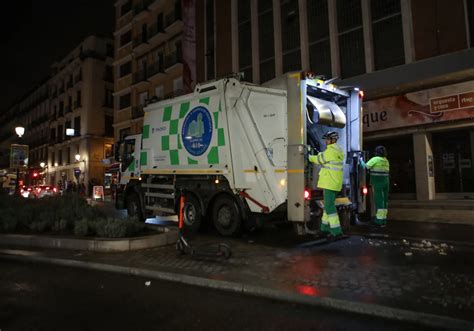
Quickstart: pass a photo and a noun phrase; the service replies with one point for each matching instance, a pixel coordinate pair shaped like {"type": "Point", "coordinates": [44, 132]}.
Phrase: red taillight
{"type": "Point", "coordinates": [55, 189]}
{"type": "Point", "coordinates": [307, 195]}
{"type": "Point", "coordinates": [38, 189]}
{"type": "Point", "coordinates": [47, 187]}
{"type": "Point", "coordinates": [29, 188]}
{"type": "Point", "coordinates": [22, 190]}
{"type": "Point", "coordinates": [361, 94]}
{"type": "Point", "coordinates": [365, 191]}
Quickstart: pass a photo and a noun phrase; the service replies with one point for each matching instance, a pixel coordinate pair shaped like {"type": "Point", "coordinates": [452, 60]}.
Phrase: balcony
{"type": "Point", "coordinates": [173, 59]}
{"type": "Point", "coordinates": [141, 8]}
{"type": "Point", "coordinates": [173, 22]}
{"type": "Point", "coordinates": [137, 112]}
{"type": "Point", "coordinates": [68, 109]}
{"type": "Point", "coordinates": [77, 104]}
{"type": "Point", "coordinates": [155, 31]}
{"type": "Point", "coordinates": [140, 76]}
{"type": "Point", "coordinates": [69, 84]}
{"type": "Point", "coordinates": [155, 69]}
{"type": "Point", "coordinates": [61, 90]}
{"type": "Point", "coordinates": [172, 18]}
{"type": "Point", "coordinates": [38, 121]}
{"type": "Point", "coordinates": [60, 113]}
{"type": "Point", "coordinates": [140, 43]}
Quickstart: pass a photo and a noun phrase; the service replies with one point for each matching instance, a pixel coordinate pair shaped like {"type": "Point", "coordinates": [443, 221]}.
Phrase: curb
{"type": "Point", "coordinates": [94, 244]}
{"type": "Point", "coordinates": [400, 315]}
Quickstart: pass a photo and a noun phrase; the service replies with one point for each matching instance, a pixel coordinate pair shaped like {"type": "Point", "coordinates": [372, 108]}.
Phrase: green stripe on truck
{"type": "Point", "coordinates": [143, 158]}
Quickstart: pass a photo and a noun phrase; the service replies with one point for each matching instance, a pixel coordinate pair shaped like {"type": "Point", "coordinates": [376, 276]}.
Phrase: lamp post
{"type": "Point", "coordinates": [20, 131]}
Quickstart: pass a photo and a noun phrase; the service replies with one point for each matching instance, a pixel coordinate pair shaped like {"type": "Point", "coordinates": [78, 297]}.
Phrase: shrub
{"type": "Point", "coordinates": [40, 226]}
{"type": "Point", "coordinates": [111, 228]}
{"type": "Point", "coordinates": [81, 227]}
{"type": "Point", "coordinates": [8, 221]}
{"type": "Point", "coordinates": [62, 225]}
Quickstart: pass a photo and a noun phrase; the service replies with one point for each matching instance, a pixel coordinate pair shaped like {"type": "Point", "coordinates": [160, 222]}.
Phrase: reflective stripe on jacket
{"type": "Point", "coordinates": [332, 162]}
{"type": "Point", "coordinates": [379, 166]}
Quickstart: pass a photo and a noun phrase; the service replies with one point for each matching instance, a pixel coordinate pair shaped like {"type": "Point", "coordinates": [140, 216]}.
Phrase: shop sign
{"type": "Point", "coordinates": [18, 156]}
{"type": "Point", "coordinates": [98, 192]}
{"type": "Point", "coordinates": [446, 103]}
{"type": "Point", "coordinates": [448, 161]}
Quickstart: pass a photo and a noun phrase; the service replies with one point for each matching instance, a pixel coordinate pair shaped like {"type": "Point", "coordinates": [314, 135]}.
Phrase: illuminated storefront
{"type": "Point", "coordinates": [429, 135]}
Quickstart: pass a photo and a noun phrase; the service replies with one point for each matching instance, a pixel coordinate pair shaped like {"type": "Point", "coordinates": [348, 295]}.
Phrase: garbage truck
{"type": "Point", "coordinates": [238, 153]}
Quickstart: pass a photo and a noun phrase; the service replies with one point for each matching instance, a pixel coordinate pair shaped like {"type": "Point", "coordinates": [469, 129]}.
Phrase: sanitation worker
{"type": "Point", "coordinates": [379, 179]}
{"type": "Point", "coordinates": [330, 180]}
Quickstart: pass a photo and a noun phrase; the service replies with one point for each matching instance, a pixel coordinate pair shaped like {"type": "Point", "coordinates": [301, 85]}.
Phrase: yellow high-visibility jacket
{"type": "Point", "coordinates": [332, 162]}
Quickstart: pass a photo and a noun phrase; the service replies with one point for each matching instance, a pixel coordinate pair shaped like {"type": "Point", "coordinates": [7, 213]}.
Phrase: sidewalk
{"type": "Point", "coordinates": [379, 277]}
{"type": "Point", "coordinates": [459, 211]}
{"type": "Point", "coordinates": [453, 233]}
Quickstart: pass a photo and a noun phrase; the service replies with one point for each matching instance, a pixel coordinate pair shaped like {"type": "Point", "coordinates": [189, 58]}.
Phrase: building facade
{"type": "Point", "coordinates": [153, 57]}
{"type": "Point", "coordinates": [81, 113]}
{"type": "Point", "coordinates": [69, 114]}
{"type": "Point", "coordinates": [413, 58]}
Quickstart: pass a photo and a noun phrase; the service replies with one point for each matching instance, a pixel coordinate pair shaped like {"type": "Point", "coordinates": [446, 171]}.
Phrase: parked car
{"type": "Point", "coordinates": [43, 191]}
{"type": "Point", "coordinates": [27, 192]}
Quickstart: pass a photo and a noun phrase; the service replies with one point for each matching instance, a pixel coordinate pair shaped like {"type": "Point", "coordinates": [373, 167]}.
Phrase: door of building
{"type": "Point", "coordinates": [453, 154]}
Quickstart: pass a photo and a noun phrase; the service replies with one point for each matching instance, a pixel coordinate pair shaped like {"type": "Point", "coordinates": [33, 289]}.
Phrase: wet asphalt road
{"type": "Point", "coordinates": [45, 297]}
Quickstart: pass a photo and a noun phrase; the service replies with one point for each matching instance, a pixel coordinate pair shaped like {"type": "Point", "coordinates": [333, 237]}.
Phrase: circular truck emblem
{"type": "Point", "coordinates": [196, 133]}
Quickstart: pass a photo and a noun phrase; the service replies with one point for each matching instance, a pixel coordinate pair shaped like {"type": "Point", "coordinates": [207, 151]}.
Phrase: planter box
{"type": "Point", "coordinates": [109, 245]}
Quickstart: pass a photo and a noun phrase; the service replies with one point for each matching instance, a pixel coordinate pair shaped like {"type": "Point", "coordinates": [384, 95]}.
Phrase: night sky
{"type": "Point", "coordinates": [36, 33]}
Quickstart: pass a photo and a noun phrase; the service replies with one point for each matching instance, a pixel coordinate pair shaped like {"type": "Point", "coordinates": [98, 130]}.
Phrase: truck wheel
{"type": "Point", "coordinates": [226, 216]}
{"type": "Point", "coordinates": [133, 207]}
{"type": "Point", "coordinates": [192, 214]}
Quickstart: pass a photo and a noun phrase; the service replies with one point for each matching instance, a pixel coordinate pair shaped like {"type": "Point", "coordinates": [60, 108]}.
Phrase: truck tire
{"type": "Point", "coordinates": [226, 216]}
{"type": "Point", "coordinates": [133, 207]}
{"type": "Point", "coordinates": [192, 214]}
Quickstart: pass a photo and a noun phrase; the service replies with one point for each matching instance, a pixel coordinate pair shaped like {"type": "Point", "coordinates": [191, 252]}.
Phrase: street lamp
{"type": "Point", "coordinates": [20, 131]}
{"type": "Point", "coordinates": [77, 157]}
{"type": "Point", "coordinates": [44, 167]}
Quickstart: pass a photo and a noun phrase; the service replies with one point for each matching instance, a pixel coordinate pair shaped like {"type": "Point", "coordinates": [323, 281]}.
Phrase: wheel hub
{"type": "Point", "coordinates": [224, 216]}
{"type": "Point", "coordinates": [190, 214]}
